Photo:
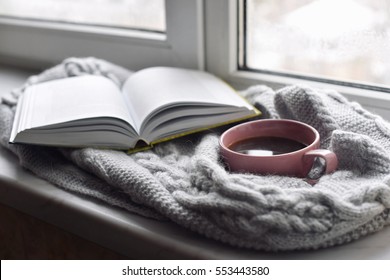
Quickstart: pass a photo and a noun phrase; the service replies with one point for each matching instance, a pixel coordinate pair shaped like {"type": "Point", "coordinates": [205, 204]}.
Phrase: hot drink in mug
{"type": "Point", "coordinates": [282, 147]}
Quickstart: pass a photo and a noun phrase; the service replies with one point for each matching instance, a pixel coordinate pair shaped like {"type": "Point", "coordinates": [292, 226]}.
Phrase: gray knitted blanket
{"type": "Point", "coordinates": [184, 181]}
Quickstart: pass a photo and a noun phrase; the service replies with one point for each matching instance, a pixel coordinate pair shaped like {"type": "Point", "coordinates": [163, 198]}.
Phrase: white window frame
{"type": "Point", "coordinates": [222, 54]}
{"type": "Point", "coordinates": [200, 35]}
{"type": "Point", "coordinates": [40, 44]}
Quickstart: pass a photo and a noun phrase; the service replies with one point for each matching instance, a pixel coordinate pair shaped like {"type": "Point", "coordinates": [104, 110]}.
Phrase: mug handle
{"type": "Point", "coordinates": [330, 158]}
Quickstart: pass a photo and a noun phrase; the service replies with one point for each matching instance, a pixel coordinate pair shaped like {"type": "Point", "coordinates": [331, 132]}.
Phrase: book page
{"type": "Point", "coordinates": [153, 88]}
{"type": "Point", "coordinates": [74, 98]}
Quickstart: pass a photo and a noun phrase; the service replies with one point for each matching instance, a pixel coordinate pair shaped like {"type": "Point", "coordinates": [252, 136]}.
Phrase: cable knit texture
{"type": "Point", "coordinates": [185, 181]}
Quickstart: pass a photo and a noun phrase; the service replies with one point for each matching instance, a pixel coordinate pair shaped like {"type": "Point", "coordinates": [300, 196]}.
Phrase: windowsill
{"type": "Point", "coordinates": [373, 101]}
{"type": "Point", "coordinates": [129, 234]}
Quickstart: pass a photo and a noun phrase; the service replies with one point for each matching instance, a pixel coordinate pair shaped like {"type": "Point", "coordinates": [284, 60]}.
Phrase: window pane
{"type": "Point", "coordinates": [136, 14]}
{"type": "Point", "coordinates": [336, 39]}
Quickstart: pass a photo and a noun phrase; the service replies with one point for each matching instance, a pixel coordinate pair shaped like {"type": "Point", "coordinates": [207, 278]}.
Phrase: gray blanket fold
{"type": "Point", "coordinates": [184, 180]}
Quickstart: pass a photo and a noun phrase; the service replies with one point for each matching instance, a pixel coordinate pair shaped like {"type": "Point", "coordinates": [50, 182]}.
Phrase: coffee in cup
{"type": "Point", "coordinates": [282, 147]}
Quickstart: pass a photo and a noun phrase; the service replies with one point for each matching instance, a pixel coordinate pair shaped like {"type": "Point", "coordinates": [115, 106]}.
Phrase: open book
{"type": "Point", "coordinates": [154, 105]}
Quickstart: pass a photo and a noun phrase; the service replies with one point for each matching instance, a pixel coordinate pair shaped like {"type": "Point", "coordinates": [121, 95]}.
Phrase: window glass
{"type": "Point", "coordinates": [134, 14]}
{"type": "Point", "coordinates": [347, 40]}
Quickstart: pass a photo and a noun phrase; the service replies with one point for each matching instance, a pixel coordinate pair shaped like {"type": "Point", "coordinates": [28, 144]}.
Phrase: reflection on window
{"type": "Point", "coordinates": [135, 14]}
{"type": "Point", "coordinates": [335, 39]}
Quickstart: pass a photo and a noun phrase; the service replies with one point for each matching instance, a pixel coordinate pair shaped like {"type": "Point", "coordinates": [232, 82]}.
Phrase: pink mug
{"type": "Point", "coordinates": [282, 147]}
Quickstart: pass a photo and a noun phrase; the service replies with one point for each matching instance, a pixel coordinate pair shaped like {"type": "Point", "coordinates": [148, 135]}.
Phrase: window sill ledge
{"type": "Point", "coordinates": [374, 101]}
{"type": "Point", "coordinates": [131, 235]}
